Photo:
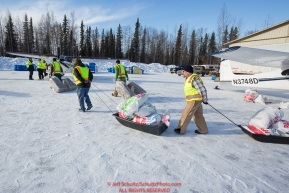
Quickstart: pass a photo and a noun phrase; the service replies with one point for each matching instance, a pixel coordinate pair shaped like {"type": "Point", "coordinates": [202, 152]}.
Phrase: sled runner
{"type": "Point", "coordinates": [152, 129]}
{"type": "Point", "coordinates": [263, 136]}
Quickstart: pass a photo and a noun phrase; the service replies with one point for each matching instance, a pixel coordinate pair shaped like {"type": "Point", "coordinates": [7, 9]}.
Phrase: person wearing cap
{"type": "Point", "coordinates": [195, 93]}
{"type": "Point", "coordinates": [120, 74]}
{"type": "Point", "coordinates": [83, 78]}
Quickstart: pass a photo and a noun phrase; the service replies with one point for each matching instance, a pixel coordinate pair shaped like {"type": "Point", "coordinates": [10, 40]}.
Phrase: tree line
{"type": "Point", "coordinates": [143, 44]}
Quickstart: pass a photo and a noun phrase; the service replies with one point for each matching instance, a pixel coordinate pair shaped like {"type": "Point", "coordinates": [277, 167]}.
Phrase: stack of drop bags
{"type": "Point", "coordinates": [252, 95]}
{"type": "Point", "coordinates": [268, 121]}
{"type": "Point", "coordinates": [61, 86]}
{"type": "Point", "coordinates": [128, 90]}
{"type": "Point", "coordinates": [137, 109]}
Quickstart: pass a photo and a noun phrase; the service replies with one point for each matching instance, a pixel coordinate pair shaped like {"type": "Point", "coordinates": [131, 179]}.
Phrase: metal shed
{"type": "Point", "coordinates": [277, 34]}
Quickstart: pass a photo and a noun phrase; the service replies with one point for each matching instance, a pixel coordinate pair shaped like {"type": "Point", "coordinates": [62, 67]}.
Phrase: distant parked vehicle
{"type": "Point", "coordinates": [205, 69]}
{"type": "Point", "coordinates": [180, 72]}
{"type": "Point", "coordinates": [175, 69]}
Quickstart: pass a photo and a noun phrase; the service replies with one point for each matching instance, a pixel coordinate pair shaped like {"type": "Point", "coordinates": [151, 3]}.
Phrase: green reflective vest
{"type": "Point", "coordinates": [28, 63]}
{"type": "Point", "coordinates": [56, 68]}
{"type": "Point", "coordinates": [84, 73]}
{"type": "Point", "coordinates": [191, 92]}
{"type": "Point", "coordinates": [121, 71]}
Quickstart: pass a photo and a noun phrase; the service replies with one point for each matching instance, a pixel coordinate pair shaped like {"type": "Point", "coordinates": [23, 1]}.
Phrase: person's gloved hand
{"type": "Point", "coordinates": [205, 102]}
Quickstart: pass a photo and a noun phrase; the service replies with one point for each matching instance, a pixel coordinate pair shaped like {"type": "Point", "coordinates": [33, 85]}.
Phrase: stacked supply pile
{"type": "Point", "coordinates": [268, 121]}
{"type": "Point", "coordinates": [252, 95]}
{"type": "Point", "coordinates": [138, 110]}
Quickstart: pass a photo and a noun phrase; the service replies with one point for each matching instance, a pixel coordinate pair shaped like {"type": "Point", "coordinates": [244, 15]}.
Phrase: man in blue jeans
{"type": "Point", "coordinates": [83, 78]}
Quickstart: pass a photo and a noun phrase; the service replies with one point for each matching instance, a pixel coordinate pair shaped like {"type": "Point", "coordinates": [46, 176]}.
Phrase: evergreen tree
{"type": "Point", "coordinates": [26, 34]}
{"type": "Point", "coordinates": [31, 36]}
{"type": "Point", "coordinates": [96, 43]}
{"type": "Point", "coordinates": [178, 47]}
{"type": "Point", "coordinates": [88, 44]}
{"type": "Point", "coordinates": [231, 34]}
{"type": "Point", "coordinates": [65, 34]}
{"type": "Point", "coordinates": [81, 42]}
{"type": "Point", "coordinates": [185, 56]}
{"type": "Point", "coordinates": [143, 47]}
{"type": "Point", "coordinates": [135, 43]}
{"type": "Point", "coordinates": [203, 50]}
{"type": "Point", "coordinates": [11, 37]}
{"type": "Point", "coordinates": [111, 45]}
{"type": "Point", "coordinates": [102, 45]}
{"type": "Point", "coordinates": [118, 48]}
{"type": "Point", "coordinates": [225, 36]}
{"type": "Point", "coordinates": [235, 33]}
{"type": "Point", "coordinates": [212, 48]}
{"type": "Point", "coordinates": [71, 43]}
{"type": "Point", "coordinates": [192, 50]}
{"type": "Point", "coordinates": [106, 45]}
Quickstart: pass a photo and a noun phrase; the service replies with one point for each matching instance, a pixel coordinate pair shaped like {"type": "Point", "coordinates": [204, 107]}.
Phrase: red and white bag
{"type": "Point", "coordinates": [266, 117]}
{"type": "Point", "coordinates": [281, 128]}
{"type": "Point", "coordinates": [251, 95]}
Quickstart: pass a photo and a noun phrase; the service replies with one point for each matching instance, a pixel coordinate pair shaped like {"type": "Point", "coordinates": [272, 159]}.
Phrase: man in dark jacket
{"type": "Point", "coordinates": [30, 67]}
{"type": "Point", "coordinates": [83, 78]}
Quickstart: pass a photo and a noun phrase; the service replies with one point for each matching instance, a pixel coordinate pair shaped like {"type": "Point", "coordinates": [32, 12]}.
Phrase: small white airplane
{"type": "Point", "coordinates": [276, 79]}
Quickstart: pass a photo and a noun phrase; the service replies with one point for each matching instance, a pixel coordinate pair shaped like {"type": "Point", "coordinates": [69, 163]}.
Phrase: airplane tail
{"type": "Point", "coordinates": [226, 73]}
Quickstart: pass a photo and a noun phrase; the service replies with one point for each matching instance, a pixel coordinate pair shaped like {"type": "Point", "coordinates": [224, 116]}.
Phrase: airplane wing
{"type": "Point", "coordinates": [30, 55]}
{"type": "Point", "coordinates": [254, 56]}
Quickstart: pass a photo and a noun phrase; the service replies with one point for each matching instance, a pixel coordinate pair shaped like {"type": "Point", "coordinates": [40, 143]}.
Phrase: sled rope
{"type": "Point", "coordinates": [223, 115]}
{"type": "Point", "coordinates": [101, 98]}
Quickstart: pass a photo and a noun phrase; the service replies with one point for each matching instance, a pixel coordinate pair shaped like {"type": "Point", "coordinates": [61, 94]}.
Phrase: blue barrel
{"type": "Point", "coordinates": [213, 77]}
{"type": "Point", "coordinates": [92, 67]}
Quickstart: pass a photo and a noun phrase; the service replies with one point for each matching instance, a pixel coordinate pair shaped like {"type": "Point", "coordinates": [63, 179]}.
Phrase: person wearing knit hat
{"type": "Point", "coordinates": [195, 93]}
{"type": "Point", "coordinates": [83, 78]}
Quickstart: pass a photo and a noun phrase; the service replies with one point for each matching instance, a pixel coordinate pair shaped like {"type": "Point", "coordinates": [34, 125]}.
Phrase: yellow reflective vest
{"type": "Point", "coordinates": [40, 65]}
{"type": "Point", "coordinates": [121, 71]}
{"type": "Point", "coordinates": [44, 65]}
{"type": "Point", "coordinates": [191, 92]}
{"type": "Point", "coordinates": [28, 63]}
{"type": "Point", "coordinates": [83, 71]}
{"type": "Point", "coordinates": [56, 67]}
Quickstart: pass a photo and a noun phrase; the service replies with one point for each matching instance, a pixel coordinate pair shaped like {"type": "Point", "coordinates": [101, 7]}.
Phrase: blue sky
{"type": "Point", "coordinates": [165, 15]}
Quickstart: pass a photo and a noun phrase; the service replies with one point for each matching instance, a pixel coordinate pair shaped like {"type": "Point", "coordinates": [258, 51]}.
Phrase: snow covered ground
{"type": "Point", "coordinates": [46, 145]}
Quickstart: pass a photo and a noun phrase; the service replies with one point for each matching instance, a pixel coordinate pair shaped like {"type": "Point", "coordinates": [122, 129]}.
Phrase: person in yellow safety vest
{"type": "Point", "coordinates": [30, 67]}
{"type": "Point", "coordinates": [40, 69]}
{"type": "Point", "coordinates": [195, 93]}
{"type": "Point", "coordinates": [120, 74]}
{"type": "Point", "coordinates": [44, 67]}
{"type": "Point", "coordinates": [83, 78]}
{"type": "Point", "coordinates": [56, 69]}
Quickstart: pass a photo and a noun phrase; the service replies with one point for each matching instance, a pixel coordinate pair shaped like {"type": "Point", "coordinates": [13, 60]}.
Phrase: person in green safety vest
{"type": "Point", "coordinates": [120, 74]}
{"type": "Point", "coordinates": [40, 69]}
{"type": "Point", "coordinates": [195, 93]}
{"type": "Point", "coordinates": [83, 78]}
{"type": "Point", "coordinates": [30, 67]}
{"type": "Point", "coordinates": [44, 68]}
{"type": "Point", "coordinates": [56, 69]}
